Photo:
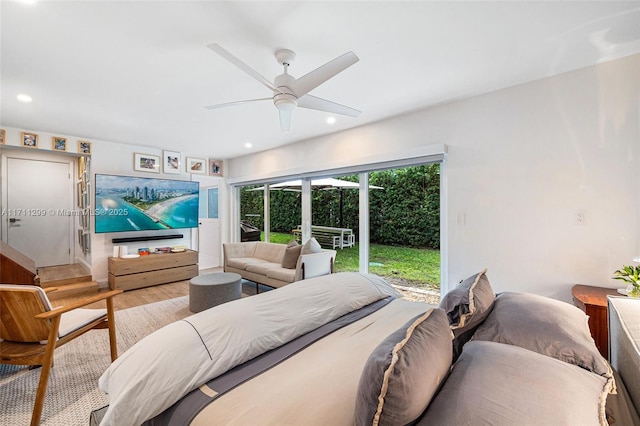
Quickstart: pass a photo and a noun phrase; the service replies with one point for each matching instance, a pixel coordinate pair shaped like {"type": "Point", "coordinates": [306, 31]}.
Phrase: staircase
{"type": "Point", "coordinates": [67, 281]}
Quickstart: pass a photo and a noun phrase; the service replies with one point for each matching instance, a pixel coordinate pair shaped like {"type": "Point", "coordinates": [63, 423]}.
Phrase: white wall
{"type": "Point", "coordinates": [109, 158]}
{"type": "Point", "coordinates": [521, 163]}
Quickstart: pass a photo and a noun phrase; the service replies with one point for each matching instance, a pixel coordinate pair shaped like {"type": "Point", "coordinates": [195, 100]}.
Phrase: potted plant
{"type": "Point", "coordinates": [630, 275]}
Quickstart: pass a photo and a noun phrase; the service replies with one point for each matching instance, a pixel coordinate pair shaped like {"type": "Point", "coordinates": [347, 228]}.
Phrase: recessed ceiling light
{"type": "Point", "coordinates": [28, 1]}
{"type": "Point", "coordinates": [331, 120]}
{"type": "Point", "coordinates": [248, 145]}
{"type": "Point", "coordinates": [24, 98]}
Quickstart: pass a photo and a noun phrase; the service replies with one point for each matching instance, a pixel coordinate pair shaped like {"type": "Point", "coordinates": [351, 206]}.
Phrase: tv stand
{"type": "Point", "coordinates": [154, 269]}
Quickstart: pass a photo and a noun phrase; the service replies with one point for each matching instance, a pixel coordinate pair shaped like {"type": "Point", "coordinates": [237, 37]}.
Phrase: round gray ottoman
{"type": "Point", "coordinates": [209, 290]}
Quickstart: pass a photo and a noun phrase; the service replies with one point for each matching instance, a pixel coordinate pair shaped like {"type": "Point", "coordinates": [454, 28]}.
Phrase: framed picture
{"type": "Point", "coordinates": [84, 147]}
{"type": "Point", "coordinates": [2, 136]}
{"type": "Point", "coordinates": [59, 144]}
{"type": "Point", "coordinates": [146, 163]}
{"type": "Point", "coordinates": [215, 167]}
{"type": "Point", "coordinates": [30, 140]}
{"type": "Point", "coordinates": [196, 165]}
{"type": "Point", "coordinates": [171, 162]}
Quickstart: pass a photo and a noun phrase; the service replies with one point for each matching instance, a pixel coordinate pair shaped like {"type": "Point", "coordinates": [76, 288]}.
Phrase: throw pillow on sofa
{"type": "Point", "coordinates": [467, 306]}
{"type": "Point", "coordinates": [311, 246]}
{"type": "Point", "coordinates": [291, 255]}
{"type": "Point", "coordinates": [547, 326]}
{"type": "Point", "coordinates": [404, 371]}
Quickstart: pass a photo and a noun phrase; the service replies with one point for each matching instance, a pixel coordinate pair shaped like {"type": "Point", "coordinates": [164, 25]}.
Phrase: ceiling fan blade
{"type": "Point", "coordinates": [228, 104]}
{"type": "Point", "coordinates": [315, 78]}
{"type": "Point", "coordinates": [240, 64]}
{"type": "Point", "coordinates": [285, 120]}
{"type": "Point", "coordinates": [313, 102]}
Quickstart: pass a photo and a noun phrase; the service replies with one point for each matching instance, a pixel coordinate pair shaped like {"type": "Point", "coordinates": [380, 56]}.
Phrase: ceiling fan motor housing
{"type": "Point", "coordinates": [284, 100]}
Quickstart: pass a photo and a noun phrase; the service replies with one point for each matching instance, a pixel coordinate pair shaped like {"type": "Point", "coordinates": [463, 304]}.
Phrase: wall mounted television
{"type": "Point", "coordinates": [125, 203]}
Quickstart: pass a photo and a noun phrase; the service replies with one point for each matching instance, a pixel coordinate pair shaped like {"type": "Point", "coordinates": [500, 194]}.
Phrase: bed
{"type": "Point", "coordinates": [343, 349]}
{"type": "Point", "coordinates": [168, 364]}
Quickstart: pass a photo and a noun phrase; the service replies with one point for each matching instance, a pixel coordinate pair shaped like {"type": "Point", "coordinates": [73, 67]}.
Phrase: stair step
{"type": "Point", "coordinates": [56, 276]}
{"type": "Point", "coordinates": [73, 290]}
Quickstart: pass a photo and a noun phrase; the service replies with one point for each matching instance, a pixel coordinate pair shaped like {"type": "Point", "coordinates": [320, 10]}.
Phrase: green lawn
{"type": "Point", "coordinates": [417, 267]}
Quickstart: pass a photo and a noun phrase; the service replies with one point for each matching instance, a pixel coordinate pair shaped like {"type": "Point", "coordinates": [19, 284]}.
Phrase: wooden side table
{"type": "Point", "coordinates": [593, 301]}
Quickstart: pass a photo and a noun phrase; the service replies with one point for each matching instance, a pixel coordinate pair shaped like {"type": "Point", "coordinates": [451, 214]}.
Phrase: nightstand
{"type": "Point", "coordinates": [593, 301]}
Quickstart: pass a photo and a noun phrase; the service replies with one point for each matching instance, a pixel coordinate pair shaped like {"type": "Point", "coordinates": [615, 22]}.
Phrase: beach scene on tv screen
{"type": "Point", "coordinates": [140, 204]}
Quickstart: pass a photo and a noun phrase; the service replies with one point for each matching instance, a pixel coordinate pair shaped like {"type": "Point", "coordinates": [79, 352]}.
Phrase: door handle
{"type": "Point", "coordinates": [14, 220]}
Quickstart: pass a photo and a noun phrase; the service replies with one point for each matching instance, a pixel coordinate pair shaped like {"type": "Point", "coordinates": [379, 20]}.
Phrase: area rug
{"type": "Point", "coordinates": [73, 385]}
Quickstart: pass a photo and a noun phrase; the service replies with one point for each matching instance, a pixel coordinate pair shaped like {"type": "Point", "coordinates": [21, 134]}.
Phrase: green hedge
{"type": "Point", "coordinates": [405, 213]}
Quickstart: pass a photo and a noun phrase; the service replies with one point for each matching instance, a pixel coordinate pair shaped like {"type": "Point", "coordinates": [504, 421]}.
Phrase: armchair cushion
{"type": "Point", "coordinates": [73, 320]}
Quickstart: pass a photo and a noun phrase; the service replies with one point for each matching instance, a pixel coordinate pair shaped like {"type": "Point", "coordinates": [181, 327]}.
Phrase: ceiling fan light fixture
{"type": "Point", "coordinates": [285, 102]}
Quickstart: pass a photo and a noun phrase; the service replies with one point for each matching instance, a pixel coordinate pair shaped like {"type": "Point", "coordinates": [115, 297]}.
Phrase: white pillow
{"type": "Point", "coordinates": [311, 246]}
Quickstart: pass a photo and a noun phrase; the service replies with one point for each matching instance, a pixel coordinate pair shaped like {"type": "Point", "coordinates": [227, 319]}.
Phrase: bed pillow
{"type": "Point", "coordinates": [311, 246]}
{"type": "Point", "coordinates": [404, 371]}
{"type": "Point", "coordinates": [496, 384]}
{"type": "Point", "coordinates": [467, 306]}
{"type": "Point", "coordinates": [547, 326]}
{"type": "Point", "coordinates": [291, 255]}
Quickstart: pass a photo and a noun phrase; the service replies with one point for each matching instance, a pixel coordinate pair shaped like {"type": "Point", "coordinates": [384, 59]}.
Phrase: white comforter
{"type": "Point", "coordinates": [171, 362]}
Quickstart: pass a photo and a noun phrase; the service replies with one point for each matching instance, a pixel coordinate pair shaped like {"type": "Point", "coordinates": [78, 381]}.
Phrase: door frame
{"type": "Point", "coordinates": [20, 153]}
{"type": "Point", "coordinates": [206, 183]}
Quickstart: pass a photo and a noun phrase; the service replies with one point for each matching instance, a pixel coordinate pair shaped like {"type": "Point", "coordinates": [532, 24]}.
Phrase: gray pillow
{"type": "Point", "coordinates": [404, 372]}
{"type": "Point", "coordinates": [467, 306]}
{"type": "Point", "coordinates": [547, 326]}
{"type": "Point", "coordinates": [503, 385]}
{"type": "Point", "coordinates": [291, 255]}
{"type": "Point", "coordinates": [311, 246]}
{"type": "Point", "coordinates": [470, 302]}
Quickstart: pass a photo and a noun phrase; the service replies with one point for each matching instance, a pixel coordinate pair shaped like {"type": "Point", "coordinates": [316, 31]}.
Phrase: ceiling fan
{"type": "Point", "coordinates": [290, 92]}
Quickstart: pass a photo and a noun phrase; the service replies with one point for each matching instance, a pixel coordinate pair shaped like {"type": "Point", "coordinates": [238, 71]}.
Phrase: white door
{"type": "Point", "coordinates": [208, 229]}
{"type": "Point", "coordinates": [38, 196]}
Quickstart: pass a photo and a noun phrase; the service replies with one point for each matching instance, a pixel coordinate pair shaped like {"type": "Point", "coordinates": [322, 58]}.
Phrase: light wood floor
{"type": "Point", "coordinates": [143, 296]}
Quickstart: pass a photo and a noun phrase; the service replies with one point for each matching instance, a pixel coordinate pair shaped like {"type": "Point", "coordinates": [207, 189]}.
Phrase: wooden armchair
{"type": "Point", "coordinates": [30, 329]}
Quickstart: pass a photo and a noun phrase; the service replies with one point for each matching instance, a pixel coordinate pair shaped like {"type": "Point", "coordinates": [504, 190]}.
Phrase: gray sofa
{"type": "Point", "coordinates": [262, 263]}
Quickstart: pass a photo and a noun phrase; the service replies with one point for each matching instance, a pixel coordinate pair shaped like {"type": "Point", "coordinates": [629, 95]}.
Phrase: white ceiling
{"type": "Point", "coordinates": [139, 72]}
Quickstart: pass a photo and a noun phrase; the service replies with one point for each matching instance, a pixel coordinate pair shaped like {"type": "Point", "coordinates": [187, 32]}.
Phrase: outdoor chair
{"type": "Point", "coordinates": [30, 329]}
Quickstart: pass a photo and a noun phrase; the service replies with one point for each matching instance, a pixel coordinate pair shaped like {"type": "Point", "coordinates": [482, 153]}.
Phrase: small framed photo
{"type": "Point", "coordinates": [146, 163]}
{"type": "Point", "coordinates": [196, 165]}
{"type": "Point", "coordinates": [30, 140]}
{"type": "Point", "coordinates": [171, 162]}
{"type": "Point", "coordinates": [58, 143]}
{"type": "Point", "coordinates": [84, 147]}
{"type": "Point", "coordinates": [215, 167]}
{"type": "Point", "coordinates": [2, 136]}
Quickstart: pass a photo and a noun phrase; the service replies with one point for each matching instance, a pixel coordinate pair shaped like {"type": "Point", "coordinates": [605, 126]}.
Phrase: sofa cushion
{"type": "Point", "coordinates": [311, 246]}
{"type": "Point", "coordinates": [404, 371]}
{"type": "Point", "coordinates": [467, 306]}
{"type": "Point", "coordinates": [261, 268]}
{"type": "Point", "coordinates": [282, 274]}
{"type": "Point", "coordinates": [497, 384]}
{"type": "Point", "coordinates": [271, 252]}
{"type": "Point", "coordinates": [547, 326]}
{"type": "Point", "coordinates": [242, 262]}
{"type": "Point", "coordinates": [291, 255]}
